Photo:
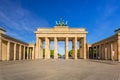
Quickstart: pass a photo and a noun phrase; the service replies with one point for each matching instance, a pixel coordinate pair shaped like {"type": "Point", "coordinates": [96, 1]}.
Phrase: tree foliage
{"type": "Point", "coordinates": [51, 53]}
{"type": "Point", "coordinates": [70, 53]}
{"type": "Point", "coordinates": [59, 55]}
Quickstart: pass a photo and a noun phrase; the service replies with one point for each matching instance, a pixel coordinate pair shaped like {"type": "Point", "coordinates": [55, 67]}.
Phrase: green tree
{"type": "Point", "coordinates": [59, 55]}
{"type": "Point", "coordinates": [70, 53]}
{"type": "Point", "coordinates": [43, 53]}
{"type": "Point", "coordinates": [52, 53]}
{"type": "Point", "coordinates": [78, 53]}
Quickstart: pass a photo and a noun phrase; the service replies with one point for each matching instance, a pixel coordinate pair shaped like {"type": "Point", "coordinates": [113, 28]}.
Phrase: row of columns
{"type": "Point", "coordinates": [105, 51]}
{"type": "Point", "coordinates": [102, 51]}
{"type": "Point", "coordinates": [108, 50]}
{"type": "Point", "coordinates": [39, 50]}
{"type": "Point", "coordinates": [15, 52]}
{"type": "Point", "coordinates": [25, 51]}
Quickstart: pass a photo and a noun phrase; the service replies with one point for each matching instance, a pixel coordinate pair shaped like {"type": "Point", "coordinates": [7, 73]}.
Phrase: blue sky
{"type": "Point", "coordinates": [22, 17]}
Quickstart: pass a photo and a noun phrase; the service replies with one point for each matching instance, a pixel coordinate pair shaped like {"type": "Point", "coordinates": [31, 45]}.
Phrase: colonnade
{"type": "Point", "coordinates": [106, 51]}
{"type": "Point", "coordinates": [39, 49]}
{"type": "Point", "coordinates": [11, 50]}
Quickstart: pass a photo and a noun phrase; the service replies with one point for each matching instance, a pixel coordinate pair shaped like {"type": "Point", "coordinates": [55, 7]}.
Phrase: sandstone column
{"type": "Point", "coordinates": [30, 49]}
{"type": "Point", "coordinates": [100, 54]}
{"type": "Point", "coordinates": [40, 49]}
{"type": "Point", "coordinates": [20, 51]}
{"type": "Point", "coordinates": [37, 48]}
{"type": "Point", "coordinates": [88, 50]}
{"type": "Point", "coordinates": [81, 52]}
{"type": "Point", "coordinates": [96, 52]}
{"type": "Point", "coordinates": [93, 52]}
{"type": "Point", "coordinates": [66, 48]}
{"type": "Point", "coordinates": [8, 51]}
{"type": "Point", "coordinates": [118, 44]}
{"type": "Point", "coordinates": [33, 53]}
{"type": "Point", "coordinates": [55, 48]}
{"type": "Point", "coordinates": [75, 48]}
{"type": "Point", "coordinates": [106, 52]}
{"type": "Point", "coordinates": [111, 51]}
{"type": "Point", "coordinates": [24, 53]}
{"type": "Point", "coordinates": [14, 51]}
{"type": "Point", "coordinates": [84, 47]}
{"type": "Point", "coordinates": [47, 50]}
{"type": "Point", "coordinates": [79, 49]}
{"type": "Point", "coordinates": [103, 52]}
{"type": "Point", "coordinates": [28, 54]}
{"type": "Point", "coordinates": [0, 49]}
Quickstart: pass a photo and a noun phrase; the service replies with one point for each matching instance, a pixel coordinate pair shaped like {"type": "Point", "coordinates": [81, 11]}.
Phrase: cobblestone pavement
{"type": "Point", "coordinates": [59, 70]}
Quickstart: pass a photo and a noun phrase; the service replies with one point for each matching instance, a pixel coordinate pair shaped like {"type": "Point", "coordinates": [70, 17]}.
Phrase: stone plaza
{"type": "Point", "coordinates": [59, 70]}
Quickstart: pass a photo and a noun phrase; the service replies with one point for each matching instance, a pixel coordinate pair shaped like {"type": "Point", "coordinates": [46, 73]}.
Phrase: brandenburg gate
{"type": "Point", "coordinates": [61, 32]}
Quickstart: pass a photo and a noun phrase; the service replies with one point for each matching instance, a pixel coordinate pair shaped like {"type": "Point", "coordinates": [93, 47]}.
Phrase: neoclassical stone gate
{"type": "Point", "coordinates": [61, 32]}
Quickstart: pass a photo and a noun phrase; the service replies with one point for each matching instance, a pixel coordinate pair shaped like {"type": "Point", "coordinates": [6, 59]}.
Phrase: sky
{"type": "Point", "coordinates": [22, 17]}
